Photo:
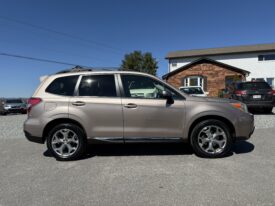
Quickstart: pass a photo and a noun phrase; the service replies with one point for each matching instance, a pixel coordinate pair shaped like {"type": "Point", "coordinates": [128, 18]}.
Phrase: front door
{"type": "Point", "coordinates": [146, 114]}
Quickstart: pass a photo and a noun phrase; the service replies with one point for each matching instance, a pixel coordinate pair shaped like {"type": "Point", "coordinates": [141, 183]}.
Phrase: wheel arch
{"type": "Point", "coordinates": [215, 117]}
{"type": "Point", "coordinates": [55, 122]}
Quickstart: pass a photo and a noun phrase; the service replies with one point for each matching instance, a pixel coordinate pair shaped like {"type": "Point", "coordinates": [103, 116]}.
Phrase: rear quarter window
{"type": "Point", "coordinates": [63, 86]}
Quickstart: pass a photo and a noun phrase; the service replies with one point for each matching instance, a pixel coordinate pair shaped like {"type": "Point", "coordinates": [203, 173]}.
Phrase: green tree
{"type": "Point", "coordinates": [140, 62]}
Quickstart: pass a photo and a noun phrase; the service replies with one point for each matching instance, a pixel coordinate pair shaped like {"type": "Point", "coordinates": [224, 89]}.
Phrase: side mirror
{"type": "Point", "coordinates": [168, 96]}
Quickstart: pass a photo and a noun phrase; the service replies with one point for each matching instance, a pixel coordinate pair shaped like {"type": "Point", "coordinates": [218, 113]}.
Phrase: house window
{"type": "Point", "coordinates": [270, 81]}
{"type": "Point", "coordinates": [174, 64]}
{"type": "Point", "coordinates": [194, 81]}
{"type": "Point", "coordinates": [266, 57]}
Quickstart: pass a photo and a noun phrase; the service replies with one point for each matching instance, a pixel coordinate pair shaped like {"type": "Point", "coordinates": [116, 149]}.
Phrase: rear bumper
{"type": "Point", "coordinates": [33, 138]}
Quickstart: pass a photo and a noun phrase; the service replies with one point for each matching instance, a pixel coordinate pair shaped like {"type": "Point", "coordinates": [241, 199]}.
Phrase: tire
{"type": "Point", "coordinates": [268, 110]}
{"type": "Point", "coordinates": [212, 132]}
{"type": "Point", "coordinates": [66, 142]}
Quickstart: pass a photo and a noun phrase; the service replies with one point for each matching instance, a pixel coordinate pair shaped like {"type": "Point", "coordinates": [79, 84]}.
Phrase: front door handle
{"type": "Point", "coordinates": [130, 105]}
{"type": "Point", "coordinates": [78, 103]}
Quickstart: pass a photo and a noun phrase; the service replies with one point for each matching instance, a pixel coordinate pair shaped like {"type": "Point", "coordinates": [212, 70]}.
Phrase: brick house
{"type": "Point", "coordinates": [217, 69]}
{"type": "Point", "coordinates": [212, 75]}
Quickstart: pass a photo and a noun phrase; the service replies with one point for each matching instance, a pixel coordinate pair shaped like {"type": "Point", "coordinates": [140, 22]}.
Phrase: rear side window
{"type": "Point", "coordinates": [97, 85]}
{"type": "Point", "coordinates": [63, 86]}
{"type": "Point", "coordinates": [253, 86]}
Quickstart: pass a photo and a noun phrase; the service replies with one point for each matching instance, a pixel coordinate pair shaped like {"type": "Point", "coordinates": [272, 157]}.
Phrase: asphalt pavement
{"type": "Point", "coordinates": [140, 174]}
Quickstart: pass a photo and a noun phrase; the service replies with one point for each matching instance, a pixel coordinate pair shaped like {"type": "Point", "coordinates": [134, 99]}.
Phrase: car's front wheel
{"type": "Point", "coordinates": [211, 138]}
{"type": "Point", "coordinates": [66, 142]}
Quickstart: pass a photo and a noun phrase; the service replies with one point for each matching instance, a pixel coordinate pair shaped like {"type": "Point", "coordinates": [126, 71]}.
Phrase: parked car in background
{"type": "Point", "coordinates": [13, 106]}
{"type": "Point", "coordinates": [256, 95]}
{"type": "Point", "coordinates": [69, 110]}
{"type": "Point", "coordinates": [194, 91]}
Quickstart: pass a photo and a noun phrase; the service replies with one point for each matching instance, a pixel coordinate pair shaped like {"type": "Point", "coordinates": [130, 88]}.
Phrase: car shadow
{"type": "Point", "coordinates": [152, 149]}
{"type": "Point", "coordinates": [242, 147]}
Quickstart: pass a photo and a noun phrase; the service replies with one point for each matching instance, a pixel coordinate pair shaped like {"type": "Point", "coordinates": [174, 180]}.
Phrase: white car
{"type": "Point", "coordinates": [194, 91]}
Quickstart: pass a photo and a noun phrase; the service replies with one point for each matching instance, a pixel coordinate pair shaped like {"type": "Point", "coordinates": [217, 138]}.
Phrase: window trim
{"type": "Point", "coordinates": [76, 92]}
{"type": "Point", "coordinates": [156, 79]}
{"type": "Point", "coordinates": [201, 80]}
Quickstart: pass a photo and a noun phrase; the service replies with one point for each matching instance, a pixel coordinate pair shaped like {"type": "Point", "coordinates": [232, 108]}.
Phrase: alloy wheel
{"type": "Point", "coordinates": [212, 139]}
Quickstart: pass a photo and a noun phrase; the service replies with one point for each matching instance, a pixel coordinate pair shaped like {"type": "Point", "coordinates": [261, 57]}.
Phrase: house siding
{"type": "Point", "coordinates": [246, 61]}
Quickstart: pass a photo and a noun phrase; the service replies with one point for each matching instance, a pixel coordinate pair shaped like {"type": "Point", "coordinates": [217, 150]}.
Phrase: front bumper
{"type": "Point", "coordinates": [16, 110]}
{"type": "Point", "coordinates": [245, 127]}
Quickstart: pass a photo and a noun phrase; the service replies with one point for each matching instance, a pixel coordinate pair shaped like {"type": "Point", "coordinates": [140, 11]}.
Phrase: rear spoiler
{"type": "Point", "coordinates": [42, 78]}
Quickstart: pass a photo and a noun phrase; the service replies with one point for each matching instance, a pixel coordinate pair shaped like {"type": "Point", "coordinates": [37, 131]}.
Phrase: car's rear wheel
{"type": "Point", "coordinates": [66, 142]}
{"type": "Point", "coordinates": [211, 138]}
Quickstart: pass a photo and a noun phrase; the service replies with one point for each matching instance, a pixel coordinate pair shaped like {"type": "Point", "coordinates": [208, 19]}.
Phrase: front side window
{"type": "Point", "coordinates": [136, 86]}
{"type": "Point", "coordinates": [270, 81]}
{"type": "Point", "coordinates": [97, 85]}
{"type": "Point", "coordinates": [63, 86]}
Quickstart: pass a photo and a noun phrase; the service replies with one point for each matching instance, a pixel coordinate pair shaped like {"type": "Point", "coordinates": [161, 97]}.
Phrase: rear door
{"type": "Point", "coordinates": [97, 105]}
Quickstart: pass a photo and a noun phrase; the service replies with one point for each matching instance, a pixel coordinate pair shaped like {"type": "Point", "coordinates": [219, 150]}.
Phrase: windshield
{"type": "Point", "coordinates": [192, 90]}
{"type": "Point", "coordinates": [14, 101]}
{"type": "Point", "coordinates": [253, 86]}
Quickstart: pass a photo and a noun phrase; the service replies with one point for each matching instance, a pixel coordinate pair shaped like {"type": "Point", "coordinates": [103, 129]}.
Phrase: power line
{"type": "Point", "coordinates": [39, 59]}
{"type": "Point", "coordinates": [58, 32]}
{"type": "Point", "coordinates": [63, 52]}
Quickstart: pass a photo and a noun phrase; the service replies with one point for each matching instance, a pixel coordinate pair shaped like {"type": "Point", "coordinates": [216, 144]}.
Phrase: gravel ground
{"type": "Point", "coordinates": [142, 174]}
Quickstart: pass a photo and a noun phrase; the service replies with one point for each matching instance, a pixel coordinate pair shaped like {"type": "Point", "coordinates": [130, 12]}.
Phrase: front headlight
{"type": "Point", "coordinates": [240, 106]}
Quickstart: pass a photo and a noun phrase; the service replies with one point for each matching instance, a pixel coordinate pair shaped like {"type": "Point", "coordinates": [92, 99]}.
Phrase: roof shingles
{"type": "Point", "coordinates": [221, 51]}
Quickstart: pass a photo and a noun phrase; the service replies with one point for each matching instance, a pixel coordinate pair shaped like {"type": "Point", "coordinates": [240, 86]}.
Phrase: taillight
{"type": "Point", "coordinates": [32, 102]}
{"type": "Point", "coordinates": [271, 92]}
{"type": "Point", "coordinates": [240, 93]}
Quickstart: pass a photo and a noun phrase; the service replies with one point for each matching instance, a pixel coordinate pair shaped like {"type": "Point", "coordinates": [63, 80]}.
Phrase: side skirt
{"type": "Point", "coordinates": [106, 140]}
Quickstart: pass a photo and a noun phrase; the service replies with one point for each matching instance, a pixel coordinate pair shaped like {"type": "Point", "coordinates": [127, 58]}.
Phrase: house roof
{"type": "Point", "coordinates": [222, 50]}
{"type": "Point", "coordinates": [206, 60]}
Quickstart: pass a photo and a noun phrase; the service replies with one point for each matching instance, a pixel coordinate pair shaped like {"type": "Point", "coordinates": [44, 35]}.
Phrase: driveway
{"type": "Point", "coordinates": [142, 174]}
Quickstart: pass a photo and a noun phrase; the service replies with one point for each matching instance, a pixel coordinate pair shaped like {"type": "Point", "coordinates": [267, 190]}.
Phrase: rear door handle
{"type": "Point", "coordinates": [78, 103]}
{"type": "Point", "coordinates": [130, 105]}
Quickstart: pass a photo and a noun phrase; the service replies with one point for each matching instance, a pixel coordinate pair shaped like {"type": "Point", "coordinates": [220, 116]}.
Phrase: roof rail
{"type": "Point", "coordinates": [75, 69]}
{"type": "Point", "coordinates": [86, 69]}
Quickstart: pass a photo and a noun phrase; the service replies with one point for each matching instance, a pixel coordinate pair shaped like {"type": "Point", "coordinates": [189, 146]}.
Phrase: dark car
{"type": "Point", "coordinates": [256, 95]}
{"type": "Point", "coordinates": [13, 106]}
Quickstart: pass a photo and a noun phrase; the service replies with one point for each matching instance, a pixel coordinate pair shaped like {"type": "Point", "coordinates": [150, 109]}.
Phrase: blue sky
{"type": "Point", "coordinates": [115, 27]}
